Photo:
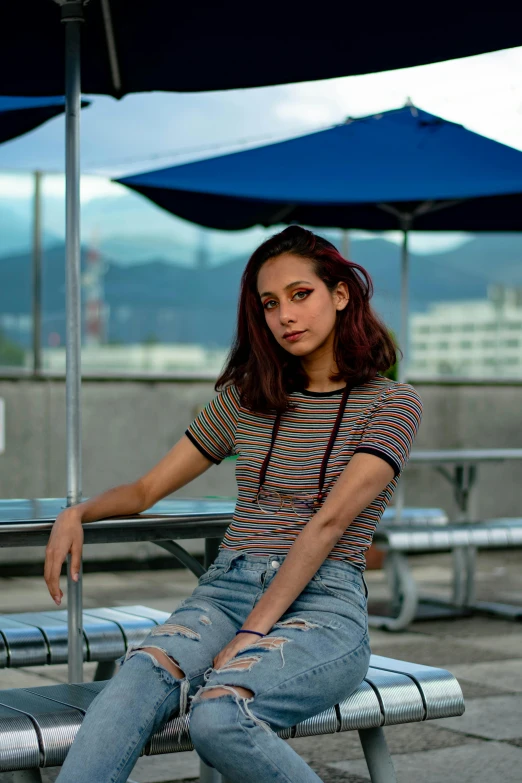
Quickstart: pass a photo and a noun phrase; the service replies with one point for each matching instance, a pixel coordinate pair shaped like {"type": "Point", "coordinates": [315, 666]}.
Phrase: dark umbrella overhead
{"type": "Point", "coordinates": [19, 115]}
{"type": "Point", "coordinates": [400, 169]}
{"type": "Point", "coordinates": [163, 45]}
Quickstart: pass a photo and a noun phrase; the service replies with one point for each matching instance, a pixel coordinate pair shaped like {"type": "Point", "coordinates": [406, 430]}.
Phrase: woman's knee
{"type": "Point", "coordinates": [210, 718]}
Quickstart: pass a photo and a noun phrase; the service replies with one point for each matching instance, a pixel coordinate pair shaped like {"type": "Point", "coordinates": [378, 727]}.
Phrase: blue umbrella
{"type": "Point", "coordinates": [398, 169]}
{"type": "Point", "coordinates": [19, 115]}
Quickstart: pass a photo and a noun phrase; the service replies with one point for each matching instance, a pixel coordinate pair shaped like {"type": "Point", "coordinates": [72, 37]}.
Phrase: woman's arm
{"type": "Point", "coordinates": [183, 463]}
{"type": "Point", "coordinates": [361, 481]}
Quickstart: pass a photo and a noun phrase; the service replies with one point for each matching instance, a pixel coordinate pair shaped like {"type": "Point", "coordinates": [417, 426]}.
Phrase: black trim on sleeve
{"type": "Point", "coordinates": [382, 455]}
{"type": "Point", "coordinates": [200, 448]}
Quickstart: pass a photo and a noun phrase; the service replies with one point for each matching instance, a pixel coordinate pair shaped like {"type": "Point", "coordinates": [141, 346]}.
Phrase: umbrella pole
{"type": "Point", "coordinates": [72, 15]}
{"type": "Point", "coordinates": [37, 273]}
{"type": "Point", "coordinates": [405, 283]}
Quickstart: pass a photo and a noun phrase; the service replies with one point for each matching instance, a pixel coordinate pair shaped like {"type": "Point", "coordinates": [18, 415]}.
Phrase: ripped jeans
{"type": "Point", "coordinates": [315, 656]}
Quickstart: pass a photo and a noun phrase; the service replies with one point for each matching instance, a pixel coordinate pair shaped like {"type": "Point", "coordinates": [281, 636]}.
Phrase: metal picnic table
{"type": "Point", "coordinates": [460, 468]}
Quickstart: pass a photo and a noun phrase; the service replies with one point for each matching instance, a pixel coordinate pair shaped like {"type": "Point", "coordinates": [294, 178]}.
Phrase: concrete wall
{"type": "Point", "coordinates": [128, 425]}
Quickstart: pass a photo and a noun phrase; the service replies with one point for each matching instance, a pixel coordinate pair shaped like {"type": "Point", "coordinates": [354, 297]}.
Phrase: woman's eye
{"type": "Point", "coordinates": [267, 304]}
{"type": "Point", "coordinates": [301, 294]}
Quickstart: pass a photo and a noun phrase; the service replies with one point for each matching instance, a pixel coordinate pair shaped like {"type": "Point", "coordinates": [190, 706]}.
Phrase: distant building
{"type": "Point", "coordinates": [153, 359]}
{"type": "Point", "coordinates": [473, 338]}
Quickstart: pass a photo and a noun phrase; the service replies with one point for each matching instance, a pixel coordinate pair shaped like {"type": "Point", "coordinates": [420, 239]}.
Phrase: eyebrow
{"type": "Point", "coordinates": [290, 285]}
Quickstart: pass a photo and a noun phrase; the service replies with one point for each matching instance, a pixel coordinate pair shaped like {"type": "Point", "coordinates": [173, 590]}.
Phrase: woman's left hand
{"type": "Point", "coordinates": [238, 643]}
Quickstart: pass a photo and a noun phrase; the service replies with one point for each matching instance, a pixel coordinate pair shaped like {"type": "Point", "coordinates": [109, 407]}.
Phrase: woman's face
{"type": "Point", "coordinates": [299, 309]}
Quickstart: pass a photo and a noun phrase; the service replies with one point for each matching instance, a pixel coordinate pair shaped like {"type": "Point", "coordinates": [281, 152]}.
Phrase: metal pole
{"type": "Point", "coordinates": [405, 274]}
{"type": "Point", "coordinates": [37, 273]}
{"type": "Point", "coordinates": [72, 15]}
{"type": "Point", "coordinates": [209, 774]}
{"type": "Point", "coordinates": [345, 243]}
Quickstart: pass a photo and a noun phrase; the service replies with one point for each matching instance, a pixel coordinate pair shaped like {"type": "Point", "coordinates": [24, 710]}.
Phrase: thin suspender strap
{"type": "Point", "coordinates": [264, 466]}
{"type": "Point", "coordinates": [331, 442]}
{"type": "Point", "coordinates": [327, 453]}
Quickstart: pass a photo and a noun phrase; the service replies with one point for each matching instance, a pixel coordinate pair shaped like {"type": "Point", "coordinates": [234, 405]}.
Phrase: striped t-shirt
{"type": "Point", "coordinates": [381, 418]}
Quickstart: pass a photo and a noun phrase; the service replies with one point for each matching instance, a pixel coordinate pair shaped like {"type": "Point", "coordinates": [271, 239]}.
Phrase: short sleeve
{"type": "Point", "coordinates": [392, 426]}
{"type": "Point", "coordinates": [213, 430]}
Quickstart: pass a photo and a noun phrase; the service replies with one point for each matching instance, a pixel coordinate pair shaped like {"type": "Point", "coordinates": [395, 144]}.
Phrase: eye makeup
{"type": "Point", "coordinates": [306, 291]}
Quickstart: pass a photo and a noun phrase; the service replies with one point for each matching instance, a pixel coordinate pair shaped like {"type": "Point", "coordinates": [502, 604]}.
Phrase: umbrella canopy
{"type": "Point", "coordinates": [364, 174]}
{"type": "Point", "coordinates": [19, 115]}
{"type": "Point", "coordinates": [132, 47]}
{"type": "Point", "coordinates": [400, 169]}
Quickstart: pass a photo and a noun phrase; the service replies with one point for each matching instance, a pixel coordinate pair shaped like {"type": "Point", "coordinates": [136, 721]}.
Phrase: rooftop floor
{"type": "Point", "coordinates": [484, 653]}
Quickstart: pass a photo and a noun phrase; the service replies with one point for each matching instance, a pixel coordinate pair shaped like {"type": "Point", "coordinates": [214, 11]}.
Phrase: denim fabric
{"type": "Point", "coordinates": [315, 656]}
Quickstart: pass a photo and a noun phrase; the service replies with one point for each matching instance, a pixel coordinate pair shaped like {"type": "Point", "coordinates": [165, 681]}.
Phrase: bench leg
{"type": "Point", "coordinates": [402, 584]}
{"type": "Point", "coordinates": [105, 670]}
{"type": "Point", "coordinates": [377, 755]}
{"type": "Point", "coordinates": [464, 566]}
{"type": "Point", "coordinates": [22, 776]}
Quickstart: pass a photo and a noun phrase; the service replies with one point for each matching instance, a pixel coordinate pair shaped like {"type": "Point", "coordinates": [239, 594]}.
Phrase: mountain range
{"type": "Point", "coordinates": [156, 299]}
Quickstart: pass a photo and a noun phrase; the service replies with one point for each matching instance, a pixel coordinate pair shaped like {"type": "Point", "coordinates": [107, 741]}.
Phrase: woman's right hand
{"type": "Point", "coordinates": [66, 537]}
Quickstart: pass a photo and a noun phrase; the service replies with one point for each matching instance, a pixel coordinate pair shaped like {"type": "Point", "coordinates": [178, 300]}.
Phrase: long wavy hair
{"type": "Point", "coordinates": [262, 370]}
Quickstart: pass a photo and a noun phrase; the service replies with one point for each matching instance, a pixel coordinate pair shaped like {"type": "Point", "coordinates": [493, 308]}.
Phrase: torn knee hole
{"type": "Point", "coordinates": [218, 690]}
{"type": "Point", "coordinates": [162, 659]}
{"type": "Point", "coordinates": [244, 663]}
{"type": "Point", "coordinates": [297, 622]}
{"type": "Point", "coordinates": [171, 629]}
{"type": "Point", "coordinates": [270, 642]}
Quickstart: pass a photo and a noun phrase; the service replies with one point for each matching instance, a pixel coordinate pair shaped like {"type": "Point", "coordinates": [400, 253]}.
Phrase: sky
{"type": "Point", "coordinates": [152, 130]}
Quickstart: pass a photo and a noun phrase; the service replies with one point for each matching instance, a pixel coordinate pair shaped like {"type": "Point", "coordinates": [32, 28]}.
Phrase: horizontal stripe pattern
{"type": "Point", "coordinates": [381, 418]}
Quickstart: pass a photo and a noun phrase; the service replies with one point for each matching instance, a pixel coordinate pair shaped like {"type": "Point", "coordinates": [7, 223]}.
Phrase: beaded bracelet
{"type": "Point", "coordinates": [256, 632]}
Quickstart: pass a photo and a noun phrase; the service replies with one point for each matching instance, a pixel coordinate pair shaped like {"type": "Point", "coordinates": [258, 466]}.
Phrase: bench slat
{"type": "Point", "coordinates": [105, 639]}
{"type": "Point", "coordinates": [19, 746]}
{"type": "Point", "coordinates": [56, 724]}
{"type": "Point", "coordinates": [441, 691]}
{"type": "Point", "coordinates": [326, 722]}
{"type": "Point", "coordinates": [54, 630]}
{"type": "Point", "coordinates": [157, 615]}
{"type": "Point", "coordinates": [134, 629]}
{"type": "Point", "coordinates": [400, 697]}
{"type": "Point", "coordinates": [361, 710]}
{"type": "Point", "coordinates": [26, 645]}
{"type": "Point", "coordinates": [490, 534]}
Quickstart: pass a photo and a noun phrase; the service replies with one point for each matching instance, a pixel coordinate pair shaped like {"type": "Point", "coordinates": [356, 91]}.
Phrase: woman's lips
{"type": "Point", "coordinates": [292, 338]}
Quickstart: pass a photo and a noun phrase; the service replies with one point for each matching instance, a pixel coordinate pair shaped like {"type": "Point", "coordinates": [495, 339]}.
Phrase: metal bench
{"type": "Point", "coordinates": [463, 539]}
{"type": "Point", "coordinates": [38, 725]}
{"type": "Point", "coordinates": [411, 515]}
{"type": "Point", "coordinates": [35, 638]}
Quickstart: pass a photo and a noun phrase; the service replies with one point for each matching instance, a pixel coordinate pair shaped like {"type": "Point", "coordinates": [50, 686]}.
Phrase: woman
{"type": "Point", "coordinates": [276, 630]}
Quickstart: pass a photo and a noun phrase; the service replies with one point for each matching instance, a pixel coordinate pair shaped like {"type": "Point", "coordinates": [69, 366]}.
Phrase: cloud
{"type": "Point", "coordinates": [21, 186]}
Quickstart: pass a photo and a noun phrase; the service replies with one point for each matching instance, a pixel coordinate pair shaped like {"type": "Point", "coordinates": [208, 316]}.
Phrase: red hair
{"type": "Point", "coordinates": [262, 370]}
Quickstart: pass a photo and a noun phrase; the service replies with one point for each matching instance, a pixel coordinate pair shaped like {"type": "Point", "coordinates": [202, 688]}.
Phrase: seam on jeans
{"type": "Point", "coordinates": [260, 749]}
{"type": "Point", "coordinates": [117, 778]}
{"type": "Point", "coordinates": [314, 668]}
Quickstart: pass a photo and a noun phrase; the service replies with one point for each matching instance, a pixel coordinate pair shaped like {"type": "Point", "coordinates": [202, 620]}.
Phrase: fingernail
{"type": "Point", "coordinates": [57, 600]}
{"type": "Point", "coordinates": [75, 577]}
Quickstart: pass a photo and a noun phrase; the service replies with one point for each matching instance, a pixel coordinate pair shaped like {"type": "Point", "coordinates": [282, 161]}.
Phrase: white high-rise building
{"type": "Point", "coordinates": [474, 339]}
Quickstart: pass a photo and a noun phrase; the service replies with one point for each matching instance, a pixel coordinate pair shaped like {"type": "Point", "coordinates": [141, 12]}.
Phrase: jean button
{"type": "Point", "coordinates": [275, 563]}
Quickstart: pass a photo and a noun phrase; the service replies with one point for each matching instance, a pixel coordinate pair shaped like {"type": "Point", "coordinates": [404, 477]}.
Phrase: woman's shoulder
{"type": "Point", "coordinates": [381, 388]}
